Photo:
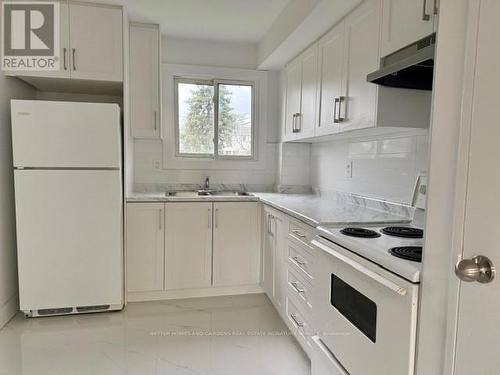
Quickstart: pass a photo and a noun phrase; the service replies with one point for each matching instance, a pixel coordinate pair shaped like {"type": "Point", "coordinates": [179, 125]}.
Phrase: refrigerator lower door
{"type": "Point", "coordinates": [49, 134]}
{"type": "Point", "coordinates": [69, 236]}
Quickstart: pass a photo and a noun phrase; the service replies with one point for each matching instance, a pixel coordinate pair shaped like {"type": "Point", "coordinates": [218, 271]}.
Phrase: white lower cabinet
{"type": "Point", "coordinates": [236, 255]}
{"type": "Point", "coordinates": [187, 249]}
{"type": "Point", "coordinates": [188, 245]}
{"type": "Point", "coordinates": [274, 260]}
{"type": "Point", "coordinates": [145, 247]}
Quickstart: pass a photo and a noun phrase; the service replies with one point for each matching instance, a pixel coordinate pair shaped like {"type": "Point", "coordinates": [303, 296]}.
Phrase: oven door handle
{"type": "Point", "coordinates": [360, 268]}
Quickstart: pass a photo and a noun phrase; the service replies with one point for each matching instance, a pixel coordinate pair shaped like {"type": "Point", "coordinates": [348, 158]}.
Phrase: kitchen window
{"type": "Point", "coordinates": [214, 118]}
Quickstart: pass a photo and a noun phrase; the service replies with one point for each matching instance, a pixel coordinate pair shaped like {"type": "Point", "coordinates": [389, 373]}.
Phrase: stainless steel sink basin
{"type": "Point", "coordinates": [193, 194]}
{"type": "Point", "coordinates": [231, 194]}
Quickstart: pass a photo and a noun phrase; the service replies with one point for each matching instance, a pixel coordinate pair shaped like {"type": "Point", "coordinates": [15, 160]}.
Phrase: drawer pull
{"type": "Point", "coordinates": [296, 320]}
{"type": "Point", "coordinates": [299, 233]}
{"type": "Point", "coordinates": [297, 287]}
{"type": "Point", "coordinates": [299, 261]}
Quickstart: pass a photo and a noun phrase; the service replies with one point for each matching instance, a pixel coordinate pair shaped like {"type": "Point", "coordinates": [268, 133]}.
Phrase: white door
{"type": "Point", "coordinates": [362, 57]}
{"type": "Point", "coordinates": [96, 41]}
{"type": "Point", "coordinates": [477, 340]}
{"type": "Point", "coordinates": [64, 135]}
{"type": "Point", "coordinates": [144, 73]}
{"type": "Point", "coordinates": [145, 246]}
{"type": "Point", "coordinates": [331, 54]}
{"type": "Point", "coordinates": [306, 121]}
{"type": "Point", "coordinates": [188, 245]}
{"type": "Point", "coordinates": [405, 22]}
{"type": "Point", "coordinates": [69, 238]}
{"type": "Point", "coordinates": [293, 94]}
{"type": "Point", "coordinates": [236, 250]}
{"type": "Point", "coordinates": [268, 255]}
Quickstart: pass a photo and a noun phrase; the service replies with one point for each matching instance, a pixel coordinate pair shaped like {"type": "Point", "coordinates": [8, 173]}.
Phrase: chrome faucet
{"type": "Point", "coordinates": [206, 185]}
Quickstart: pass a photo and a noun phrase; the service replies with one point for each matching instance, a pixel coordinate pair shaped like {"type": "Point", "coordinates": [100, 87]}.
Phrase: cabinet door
{"type": "Point", "coordinates": [145, 247]}
{"type": "Point", "coordinates": [145, 121]}
{"type": "Point", "coordinates": [404, 22]}
{"type": "Point", "coordinates": [188, 245]}
{"type": "Point", "coordinates": [358, 109]}
{"type": "Point", "coordinates": [96, 41]}
{"type": "Point", "coordinates": [236, 252]}
{"type": "Point", "coordinates": [293, 96]}
{"type": "Point", "coordinates": [268, 255]}
{"type": "Point", "coordinates": [306, 121]}
{"type": "Point", "coordinates": [331, 53]}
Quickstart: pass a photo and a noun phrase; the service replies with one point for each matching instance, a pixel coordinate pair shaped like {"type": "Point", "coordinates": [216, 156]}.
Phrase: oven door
{"type": "Point", "coordinates": [365, 315]}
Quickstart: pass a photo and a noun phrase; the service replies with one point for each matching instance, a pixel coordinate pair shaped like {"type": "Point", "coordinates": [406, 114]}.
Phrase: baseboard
{"type": "Point", "coordinates": [192, 293]}
{"type": "Point", "coordinates": [8, 310]}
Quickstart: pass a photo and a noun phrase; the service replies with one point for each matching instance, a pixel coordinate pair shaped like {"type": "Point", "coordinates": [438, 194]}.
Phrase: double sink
{"type": "Point", "coordinates": [207, 193]}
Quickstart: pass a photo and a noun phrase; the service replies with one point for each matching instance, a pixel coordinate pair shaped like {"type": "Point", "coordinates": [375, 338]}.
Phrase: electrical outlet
{"type": "Point", "coordinates": [348, 169]}
{"type": "Point", "coordinates": [157, 164]}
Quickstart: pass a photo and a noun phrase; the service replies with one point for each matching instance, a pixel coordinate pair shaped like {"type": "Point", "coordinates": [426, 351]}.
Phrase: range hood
{"type": "Point", "coordinates": [411, 67]}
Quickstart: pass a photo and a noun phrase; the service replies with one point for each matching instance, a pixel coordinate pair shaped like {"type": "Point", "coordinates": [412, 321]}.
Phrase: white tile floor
{"type": "Point", "coordinates": [168, 337]}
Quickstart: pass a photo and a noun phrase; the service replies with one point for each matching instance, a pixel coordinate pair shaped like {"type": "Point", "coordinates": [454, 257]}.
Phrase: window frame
{"type": "Point", "coordinates": [215, 83]}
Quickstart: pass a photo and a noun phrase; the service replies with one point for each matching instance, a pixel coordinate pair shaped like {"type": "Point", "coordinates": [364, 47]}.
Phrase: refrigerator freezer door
{"type": "Point", "coordinates": [49, 134]}
{"type": "Point", "coordinates": [69, 238]}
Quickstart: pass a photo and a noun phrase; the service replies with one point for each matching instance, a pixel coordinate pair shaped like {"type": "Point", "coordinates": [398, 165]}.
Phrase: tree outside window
{"type": "Point", "coordinates": [214, 119]}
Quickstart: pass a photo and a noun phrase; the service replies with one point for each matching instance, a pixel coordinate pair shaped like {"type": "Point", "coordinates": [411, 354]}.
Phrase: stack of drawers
{"type": "Point", "coordinates": [300, 282]}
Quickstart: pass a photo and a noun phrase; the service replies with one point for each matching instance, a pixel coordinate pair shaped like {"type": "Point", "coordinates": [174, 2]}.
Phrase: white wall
{"type": "Point", "coordinates": [382, 167]}
{"type": "Point", "coordinates": [9, 88]}
{"type": "Point", "coordinates": [208, 53]}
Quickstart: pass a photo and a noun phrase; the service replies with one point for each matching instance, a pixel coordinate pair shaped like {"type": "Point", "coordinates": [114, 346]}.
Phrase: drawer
{"type": "Point", "coordinates": [301, 233]}
{"type": "Point", "coordinates": [298, 325]}
{"type": "Point", "coordinates": [300, 289]}
{"type": "Point", "coordinates": [301, 260]}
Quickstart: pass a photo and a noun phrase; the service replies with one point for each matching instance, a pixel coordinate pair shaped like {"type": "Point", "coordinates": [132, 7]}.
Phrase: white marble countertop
{"type": "Point", "coordinates": [161, 197]}
{"type": "Point", "coordinates": [308, 208]}
{"type": "Point", "coordinates": [315, 210]}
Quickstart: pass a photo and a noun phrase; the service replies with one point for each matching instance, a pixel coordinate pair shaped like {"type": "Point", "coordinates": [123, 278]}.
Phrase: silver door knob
{"type": "Point", "coordinates": [478, 269]}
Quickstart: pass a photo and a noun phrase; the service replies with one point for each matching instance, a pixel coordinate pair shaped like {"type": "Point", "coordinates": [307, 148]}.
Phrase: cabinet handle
{"type": "Point", "coordinates": [425, 16]}
{"type": "Point", "coordinates": [155, 120]}
{"type": "Point", "coordinates": [299, 261]}
{"type": "Point", "coordinates": [216, 218]}
{"type": "Point", "coordinates": [335, 102]}
{"type": "Point", "coordinates": [74, 58]}
{"type": "Point", "coordinates": [65, 53]}
{"type": "Point", "coordinates": [297, 287]}
{"type": "Point", "coordinates": [296, 320]}
{"type": "Point", "coordinates": [298, 233]}
{"type": "Point", "coordinates": [299, 123]}
{"type": "Point", "coordinates": [294, 123]}
{"type": "Point", "coordinates": [209, 218]}
{"type": "Point", "coordinates": [436, 7]}
{"type": "Point", "coordinates": [341, 100]}
{"type": "Point", "coordinates": [160, 216]}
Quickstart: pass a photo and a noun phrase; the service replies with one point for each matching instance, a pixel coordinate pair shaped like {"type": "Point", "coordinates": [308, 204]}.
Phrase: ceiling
{"type": "Point", "coordinates": [242, 21]}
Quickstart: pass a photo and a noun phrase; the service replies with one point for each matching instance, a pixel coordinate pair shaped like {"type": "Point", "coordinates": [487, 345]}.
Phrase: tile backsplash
{"type": "Point", "coordinates": [383, 167]}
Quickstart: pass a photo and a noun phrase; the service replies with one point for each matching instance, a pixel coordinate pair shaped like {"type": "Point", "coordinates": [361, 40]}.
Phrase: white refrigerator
{"type": "Point", "coordinates": [69, 211]}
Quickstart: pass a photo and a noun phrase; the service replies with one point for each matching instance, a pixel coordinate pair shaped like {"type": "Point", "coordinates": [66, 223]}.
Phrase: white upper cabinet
{"type": "Point", "coordinates": [188, 245]}
{"type": "Point", "coordinates": [145, 111]}
{"type": "Point", "coordinates": [145, 247]}
{"type": "Point", "coordinates": [302, 95]}
{"type": "Point", "coordinates": [96, 40]}
{"type": "Point", "coordinates": [362, 29]}
{"type": "Point", "coordinates": [332, 80]}
{"type": "Point", "coordinates": [236, 245]}
{"type": "Point", "coordinates": [406, 21]}
{"type": "Point", "coordinates": [293, 93]}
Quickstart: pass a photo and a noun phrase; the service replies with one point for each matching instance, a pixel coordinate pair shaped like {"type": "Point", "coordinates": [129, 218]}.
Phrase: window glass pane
{"type": "Point", "coordinates": [235, 120]}
{"type": "Point", "coordinates": [196, 118]}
